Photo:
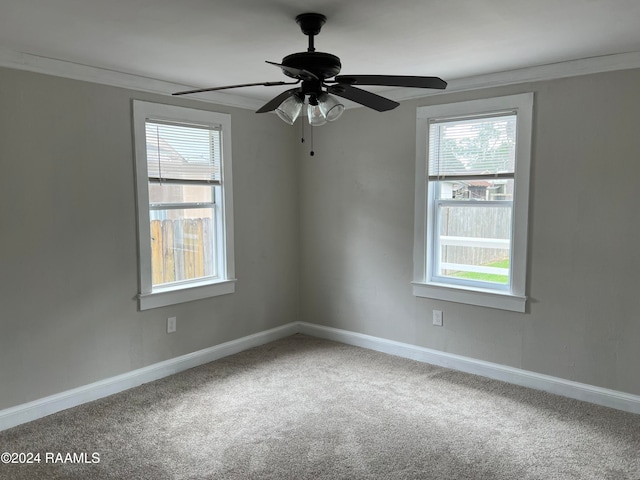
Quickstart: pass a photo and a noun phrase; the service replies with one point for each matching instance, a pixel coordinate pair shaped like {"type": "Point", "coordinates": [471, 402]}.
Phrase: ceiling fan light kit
{"type": "Point", "coordinates": [325, 108]}
{"type": "Point", "coordinates": [317, 81]}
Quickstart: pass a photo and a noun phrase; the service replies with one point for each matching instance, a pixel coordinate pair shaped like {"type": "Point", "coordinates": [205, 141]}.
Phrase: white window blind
{"type": "Point", "coordinates": [472, 147]}
{"type": "Point", "coordinates": [178, 153]}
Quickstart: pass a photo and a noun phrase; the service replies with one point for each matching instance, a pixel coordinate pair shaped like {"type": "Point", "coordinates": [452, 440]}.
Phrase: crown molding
{"type": "Point", "coordinates": [76, 71]}
{"type": "Point", "coordinates": [551, 71]}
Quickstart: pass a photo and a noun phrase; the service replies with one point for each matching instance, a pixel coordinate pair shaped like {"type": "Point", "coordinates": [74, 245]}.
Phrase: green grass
{"type": "Point", "coordinates": [487, 277]}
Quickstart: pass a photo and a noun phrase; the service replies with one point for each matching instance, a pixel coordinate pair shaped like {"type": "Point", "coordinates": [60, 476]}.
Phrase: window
{"type": "Point", "coordinates": [183, 186]}
{"type": "Point", "coordinates": [472, 192]}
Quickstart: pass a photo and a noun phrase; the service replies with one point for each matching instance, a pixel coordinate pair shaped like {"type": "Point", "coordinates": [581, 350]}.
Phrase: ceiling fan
{"type": "Point", "coordinates": [317, 76]}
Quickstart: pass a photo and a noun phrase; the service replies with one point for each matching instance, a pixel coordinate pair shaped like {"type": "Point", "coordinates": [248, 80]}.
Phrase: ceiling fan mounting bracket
{"type": "Point", "coordinates": [311, 23]}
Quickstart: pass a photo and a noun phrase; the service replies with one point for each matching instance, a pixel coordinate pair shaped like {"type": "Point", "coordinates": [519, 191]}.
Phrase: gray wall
{"type": "Point", "coordinates": [68, 238]}
{"type": "Point", "coordinates": [583, 319]}
{"type": "Point", "coordinates": [339, 224]}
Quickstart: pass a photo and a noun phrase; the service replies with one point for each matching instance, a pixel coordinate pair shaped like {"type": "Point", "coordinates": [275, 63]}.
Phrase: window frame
{"type": "Point", "coordinates": [184, 291]}
{"type": "Point", "coordinates": [424, 284]}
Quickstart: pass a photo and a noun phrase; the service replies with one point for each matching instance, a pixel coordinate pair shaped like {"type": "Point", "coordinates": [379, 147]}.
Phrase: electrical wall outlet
{"type": "Point", "coordinates": [437, 317]}
{"type": "Point", "coordinates": [171, 324]}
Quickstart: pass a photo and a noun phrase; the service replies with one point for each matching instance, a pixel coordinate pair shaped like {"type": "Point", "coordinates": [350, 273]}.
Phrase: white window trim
{"type": "Point", "coordinates": [150, 297]}
{"type": "Point", "coordinates": [515, 298]}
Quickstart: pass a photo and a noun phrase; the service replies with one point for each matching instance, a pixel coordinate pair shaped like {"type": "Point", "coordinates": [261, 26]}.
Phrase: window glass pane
{"type": "Point", "coordinates": [478, 190]}
{"type": "Point", "coordinates": [474, 242]}
{"type": "Point", "coordinates": [472, 146]}
{"type": "Point", "coordinates": [182, 245]}
{"type": "Point", "coordinates": [172, 193]}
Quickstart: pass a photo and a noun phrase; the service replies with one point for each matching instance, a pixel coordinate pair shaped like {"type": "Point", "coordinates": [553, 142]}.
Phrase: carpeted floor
{"type": "Point", "coordinates": [306, 408]}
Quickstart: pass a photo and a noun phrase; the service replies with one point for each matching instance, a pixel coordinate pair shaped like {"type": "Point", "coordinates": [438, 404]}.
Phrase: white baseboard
{"type": "Point", "coordinates": [27, 412]}
{"type": "Point", "coordinates": [567, 388]}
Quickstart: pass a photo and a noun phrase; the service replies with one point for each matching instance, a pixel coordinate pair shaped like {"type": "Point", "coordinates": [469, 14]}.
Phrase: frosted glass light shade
{"type": "Point", "coordinates": [290, 109]}
{"type": "Point", "coordinates": [316, 115]}
{"type": "Point", "coordinates": [331, 108]}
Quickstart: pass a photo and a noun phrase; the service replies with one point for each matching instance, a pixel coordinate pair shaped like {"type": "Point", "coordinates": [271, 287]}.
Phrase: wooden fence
{"type": "Point", "coordinates": [181, 250]}
{"type": "Point", "coordinates": [471, 239]}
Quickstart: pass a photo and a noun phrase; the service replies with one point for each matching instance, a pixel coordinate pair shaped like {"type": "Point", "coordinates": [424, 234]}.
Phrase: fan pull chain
{"type": "Point", "coordinates": [312, 153]}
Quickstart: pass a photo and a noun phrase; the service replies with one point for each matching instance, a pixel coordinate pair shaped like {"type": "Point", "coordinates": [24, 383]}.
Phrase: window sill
{"type": "Point", "coordinates": [478, 297]}
{"type": "Point", "coordinates": [172, 295]}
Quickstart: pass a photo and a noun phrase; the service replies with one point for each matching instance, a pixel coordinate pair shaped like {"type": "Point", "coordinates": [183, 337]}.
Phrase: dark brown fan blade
{"type": "Point", "coordinates": [212, 89]}
{"type": "Point", "coordinates": [295, 72]}
{"type": "Point", "coordinates": [368, 99]}
{"type": "Point", "coordinates": [393, 81]}
{"type": "Point", "coordinates": [275, 102]}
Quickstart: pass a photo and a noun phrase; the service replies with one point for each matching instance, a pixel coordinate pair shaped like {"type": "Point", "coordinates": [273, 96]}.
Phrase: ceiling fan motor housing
{"type": "Point", "coordinates": [322, 65]}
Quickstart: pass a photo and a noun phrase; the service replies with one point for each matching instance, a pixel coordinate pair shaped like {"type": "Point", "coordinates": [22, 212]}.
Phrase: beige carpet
{"type": "Point", "coordinates": [305, 408]}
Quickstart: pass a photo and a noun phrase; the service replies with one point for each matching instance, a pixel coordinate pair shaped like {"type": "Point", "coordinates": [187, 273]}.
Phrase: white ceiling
{"type": "Point", "coordinates": [203, 43]}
